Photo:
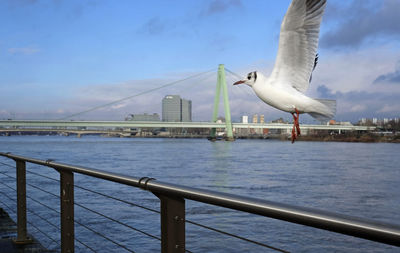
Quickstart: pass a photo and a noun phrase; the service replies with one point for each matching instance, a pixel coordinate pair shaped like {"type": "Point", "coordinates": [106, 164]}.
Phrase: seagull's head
{"type": "Point", "coordinates": [250, 80]}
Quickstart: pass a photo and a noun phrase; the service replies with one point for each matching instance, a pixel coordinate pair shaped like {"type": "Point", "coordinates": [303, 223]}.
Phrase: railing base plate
{"type": "Point", "coordinates": [23, 242]}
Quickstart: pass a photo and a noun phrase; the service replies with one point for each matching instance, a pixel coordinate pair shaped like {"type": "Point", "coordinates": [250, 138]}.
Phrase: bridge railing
{"type": "Point", "coordinates": [172, 208]}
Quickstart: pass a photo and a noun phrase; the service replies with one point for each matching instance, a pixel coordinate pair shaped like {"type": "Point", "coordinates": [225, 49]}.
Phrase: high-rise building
{"type": "Point", "coordinates": [176, 109]}
{"type": "Point", "coordinates": [245, 119]}
{"type": "Point", "coordinates": [255, 118]}
{"type": "Point", "coordinates": [262, 120]}
{"type": "Point", "coordinates": [186, 110]}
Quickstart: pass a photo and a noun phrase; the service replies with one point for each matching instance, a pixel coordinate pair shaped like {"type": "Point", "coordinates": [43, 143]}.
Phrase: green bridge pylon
{"type": "Point", "coordinates": [221, 84]}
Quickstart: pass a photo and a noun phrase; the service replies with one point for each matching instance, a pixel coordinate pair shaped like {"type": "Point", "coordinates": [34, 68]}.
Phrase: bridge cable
{"type": "Point", "coordinates": [233, 73]}
{"type": "Point", "coordinates": [135, 95]}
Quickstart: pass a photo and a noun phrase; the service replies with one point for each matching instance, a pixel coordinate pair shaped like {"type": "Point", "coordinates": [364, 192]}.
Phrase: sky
{"type": "Point", "coordinates": [62, 57]}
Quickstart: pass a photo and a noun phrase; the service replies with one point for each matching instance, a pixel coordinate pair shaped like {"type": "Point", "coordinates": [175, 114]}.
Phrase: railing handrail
{"type": "Point", "coordinates": [354, 226]}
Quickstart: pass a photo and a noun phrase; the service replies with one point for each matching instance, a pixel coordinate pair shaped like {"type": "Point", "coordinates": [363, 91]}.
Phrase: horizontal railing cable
{"type": "Point", "coordinates": [40, 203]}
{"type": "Point", "coordinates": [85, 245]}
{"type": "Point", "coordinates": [6, 204]}
{"type": "Point", "coordinates": [5, 174]}
{"type": "Point", "coordinates": [8, 165]}
{"type": "Point", "coordinates": [40, 189]}
{"type": "Point", "coordinates": [8, 186]}
{"type": "Point", "coordinates": [236, 236]}
{"type": "Point", "coordinates": [117, 199]}
{"type": "Point", "coordinates": [44, 219]}
{"type": "Point", "coordinates": [101, 235]}
{"type": "Point", "coordinates": [37, 174]}
{"type": "Point", "coordinates": [118, 222]}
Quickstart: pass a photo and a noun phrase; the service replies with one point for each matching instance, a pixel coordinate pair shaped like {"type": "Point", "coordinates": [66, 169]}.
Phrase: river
{"type": "Point", "coordinates": [357, 179]}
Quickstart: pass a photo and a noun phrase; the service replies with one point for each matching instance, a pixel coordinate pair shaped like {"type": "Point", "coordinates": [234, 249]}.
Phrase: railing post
{"type": "Point", "coordinates": [22, 234]}
{"type": "Point", "coordinates": [67, 211]}
{"type": "Point", "coordinates": [172, 224]}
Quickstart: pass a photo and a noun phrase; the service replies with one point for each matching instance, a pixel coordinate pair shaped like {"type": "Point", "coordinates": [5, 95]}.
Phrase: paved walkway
{"type": "Point", "coordinates": [8, 231]}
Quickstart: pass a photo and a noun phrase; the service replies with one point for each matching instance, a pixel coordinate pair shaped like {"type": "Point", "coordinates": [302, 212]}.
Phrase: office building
{"type": "Point", "coordinates": [186, 110]}
{"type": "Point", "coordinates": [144, 117]}
{"type": "Point", "coordinates": [176, 109]}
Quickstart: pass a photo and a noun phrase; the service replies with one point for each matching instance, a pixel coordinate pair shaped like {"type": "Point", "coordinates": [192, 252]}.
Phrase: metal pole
{"type": "Point", "coordinates": [67, 211]}
{"type": "Point", "coordinates": [172, 224]}
{"type": "Point", "coordinates": [22, 235]}
{"type": "Point", "coordinates": [222, 81]}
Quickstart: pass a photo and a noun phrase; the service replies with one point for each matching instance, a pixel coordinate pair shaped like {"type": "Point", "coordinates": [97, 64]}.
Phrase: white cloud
{"type": "Point", "coordinates": [390, 108]}
{"type": "Point", "coordinates": [354, 71]}
{"type": "Point", "coordinates": [358, 108]}
{"type": "Point", "coordinates": [23, 50]}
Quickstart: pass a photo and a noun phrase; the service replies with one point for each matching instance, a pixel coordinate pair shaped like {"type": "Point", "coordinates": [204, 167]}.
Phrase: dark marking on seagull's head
{"type": "Point", "coordinates": [249, 80]}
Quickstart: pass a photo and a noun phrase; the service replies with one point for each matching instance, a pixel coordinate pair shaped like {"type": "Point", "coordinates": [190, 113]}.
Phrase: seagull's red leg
{"type": "Point", "coordinates": [294, 136]}
{"type": "Point", "coordinates": [297, 121]}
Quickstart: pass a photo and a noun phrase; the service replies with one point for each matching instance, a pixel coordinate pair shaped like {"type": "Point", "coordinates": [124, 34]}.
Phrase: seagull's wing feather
{"type": "Point", "coordinates": [298, 42]}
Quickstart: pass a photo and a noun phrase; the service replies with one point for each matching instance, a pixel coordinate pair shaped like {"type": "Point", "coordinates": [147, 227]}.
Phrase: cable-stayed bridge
{"type": "Point", "coordinates": [70, 124]}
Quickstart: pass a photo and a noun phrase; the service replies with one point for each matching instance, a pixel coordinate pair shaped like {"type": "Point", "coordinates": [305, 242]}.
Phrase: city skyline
{"type": "Point", "coordinates": [63, 57]}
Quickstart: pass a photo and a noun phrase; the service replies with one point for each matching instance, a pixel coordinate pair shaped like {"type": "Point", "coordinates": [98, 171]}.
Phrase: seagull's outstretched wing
{"type": "Point", "coordinates": [298, 42]}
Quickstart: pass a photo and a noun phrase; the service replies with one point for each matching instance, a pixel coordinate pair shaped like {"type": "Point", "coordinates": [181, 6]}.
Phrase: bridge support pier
{"type": "Point", "coordinates": [221, 84]}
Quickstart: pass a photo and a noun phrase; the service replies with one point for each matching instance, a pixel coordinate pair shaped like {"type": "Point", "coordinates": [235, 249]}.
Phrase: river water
{"type": "Point", "coordinates": [356, 179]}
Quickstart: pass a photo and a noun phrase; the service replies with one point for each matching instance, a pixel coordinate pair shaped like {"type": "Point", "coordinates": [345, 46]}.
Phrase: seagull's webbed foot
{"type": "Point", "coordinates": [296, 126]}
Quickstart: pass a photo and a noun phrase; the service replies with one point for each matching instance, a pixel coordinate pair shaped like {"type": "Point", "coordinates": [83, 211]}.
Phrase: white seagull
{"type": "Point", "coordinates": [297, 57]}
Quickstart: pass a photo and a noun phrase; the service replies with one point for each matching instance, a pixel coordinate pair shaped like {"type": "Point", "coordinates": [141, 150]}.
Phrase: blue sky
{"type": "Point", "coordinates": [61, 57]}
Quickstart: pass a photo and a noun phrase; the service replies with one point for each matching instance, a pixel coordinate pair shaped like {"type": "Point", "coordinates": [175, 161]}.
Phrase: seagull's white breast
{"type": "Point", "coordinates": [286, 99]}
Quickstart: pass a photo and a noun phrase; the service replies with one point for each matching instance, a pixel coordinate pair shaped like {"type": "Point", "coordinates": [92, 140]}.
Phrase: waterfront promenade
{"type": "Point", "coordinates": [8, 232]}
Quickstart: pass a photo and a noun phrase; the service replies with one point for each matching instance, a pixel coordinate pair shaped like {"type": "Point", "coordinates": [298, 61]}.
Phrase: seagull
{"type": "Point", "coordinates": [296, 59]}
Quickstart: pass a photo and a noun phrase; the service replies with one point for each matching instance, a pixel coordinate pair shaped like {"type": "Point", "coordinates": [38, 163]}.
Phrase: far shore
{"type": "Point", "coordinates": [348, 137]}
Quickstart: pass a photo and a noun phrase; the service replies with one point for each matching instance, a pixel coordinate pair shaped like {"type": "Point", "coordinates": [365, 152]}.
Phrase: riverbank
{"type": "Point", "coordinates": [346, 137]}
{"type": "Point", "coordinates": [364, 138]}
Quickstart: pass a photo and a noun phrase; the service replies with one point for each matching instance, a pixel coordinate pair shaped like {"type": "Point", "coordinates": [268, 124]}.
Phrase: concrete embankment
{"type": "Point", "coordinates": [8, 232]}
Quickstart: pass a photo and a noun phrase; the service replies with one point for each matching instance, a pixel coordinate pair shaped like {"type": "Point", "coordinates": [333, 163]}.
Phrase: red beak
{"type": "Point", "coordinates": [238, 82]}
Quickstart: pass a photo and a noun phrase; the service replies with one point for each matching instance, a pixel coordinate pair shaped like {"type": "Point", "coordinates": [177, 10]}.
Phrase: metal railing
{"type": "Point", "coordinates": [172, 208]}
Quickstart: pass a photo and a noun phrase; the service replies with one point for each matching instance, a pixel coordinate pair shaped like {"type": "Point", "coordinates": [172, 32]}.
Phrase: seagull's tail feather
{"type": "Point", "coordinates": [326, 113]}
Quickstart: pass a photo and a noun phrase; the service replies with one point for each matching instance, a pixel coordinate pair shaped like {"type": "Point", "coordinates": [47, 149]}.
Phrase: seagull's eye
{"type": "Point", "coordinates": [249, 77]}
